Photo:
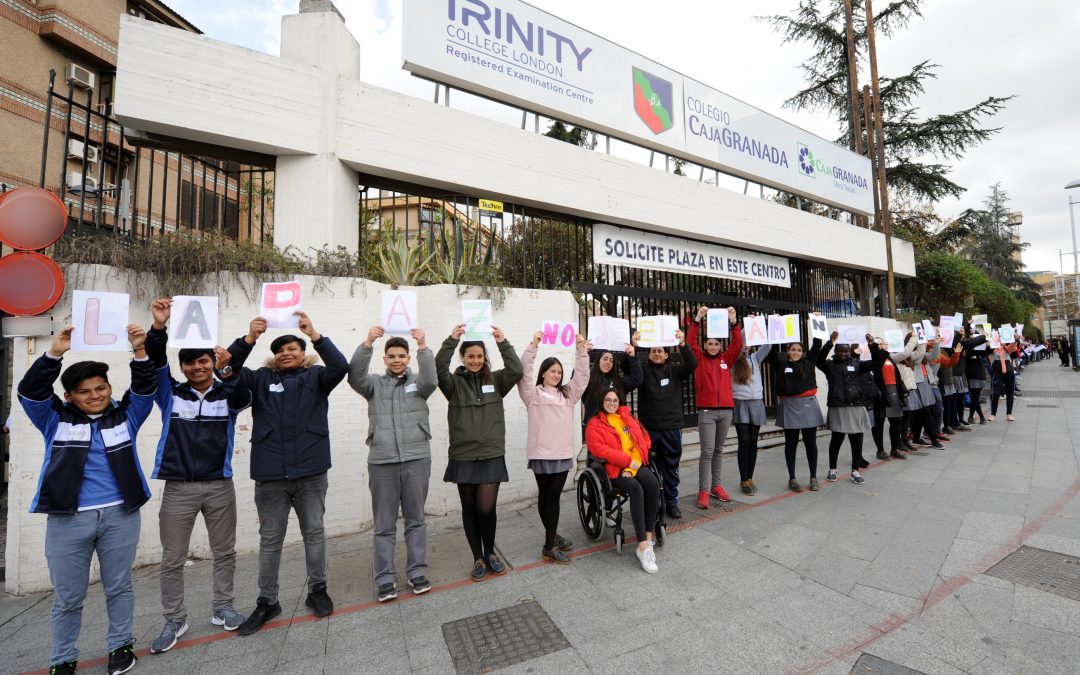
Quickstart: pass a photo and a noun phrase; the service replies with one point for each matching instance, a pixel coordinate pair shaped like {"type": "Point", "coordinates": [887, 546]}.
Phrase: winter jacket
{"type": "Point", "coordinates": [847, 384]}
{"type": "Point", "coordinates": [196, 442]}
{"type": "Point", "coordinates": [946, 362]}
{"type": "Point", "coordinates": [605, 444]}
{"type": "Point", "coordinates": [974, 360]}
{"type": "Point", "coordinates": [924, 371]}
{"type": "Point", "coordinates": [475, 414]}
{"type": "Point", "coordinates": [914, 351]}
{"type": "Point", "coordinates": [660, 404]}
{"type": "Point", "coordinates": [754, 390]}
{"type": "Point", "coordinates": [796, 378]}
{"type": "Point", "coordinates": [712, 377]}
{"type": "Point", "coordinates": [551, 415]}
{"type": "Point", "coordinates": [1001, 358]}
{"type": "Point", "coordinates": [398, 425]}
{"type": "Point", "coordinates": [879, 380]}
{"type": "Point", "coordinates": [290, 432]}
{"type": "Point", "coordinates": [85, 456]}
{"type": "Point", "coordinates": [632, 377]}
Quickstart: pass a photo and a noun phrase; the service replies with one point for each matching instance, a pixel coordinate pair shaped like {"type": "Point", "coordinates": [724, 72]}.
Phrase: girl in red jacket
{"type": "Point", "coordinates": [715, 406]}
{"type": "Point", "coordinates": [618, 439]}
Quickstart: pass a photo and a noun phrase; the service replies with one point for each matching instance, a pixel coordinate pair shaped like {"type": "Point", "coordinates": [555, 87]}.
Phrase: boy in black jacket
{"type": "Point", "coordinates": [660, 410]}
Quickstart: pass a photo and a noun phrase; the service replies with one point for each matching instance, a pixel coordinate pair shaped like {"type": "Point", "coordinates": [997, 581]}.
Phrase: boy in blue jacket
{"type": "Point", "coordinates": [91, 487]}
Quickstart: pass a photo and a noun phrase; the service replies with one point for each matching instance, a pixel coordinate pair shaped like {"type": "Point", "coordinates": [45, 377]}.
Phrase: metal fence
{"type": "Point", "coordinates": [110, 185]}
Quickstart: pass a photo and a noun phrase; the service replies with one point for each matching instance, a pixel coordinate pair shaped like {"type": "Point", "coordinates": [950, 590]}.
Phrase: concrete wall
{"type": "Point", "coordinates": [342, 309]}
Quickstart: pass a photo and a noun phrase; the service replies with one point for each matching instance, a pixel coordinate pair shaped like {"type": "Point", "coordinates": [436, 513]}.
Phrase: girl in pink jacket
{"type": "Point", "coordinates": [551, 448]}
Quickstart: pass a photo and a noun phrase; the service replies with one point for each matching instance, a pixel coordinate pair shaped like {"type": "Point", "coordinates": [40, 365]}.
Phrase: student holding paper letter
{"type": "Point", "coordinates": [715, 405]}
{"type": "Point", "coordinates": [797, 409]}
{"type": "Point", "coordinates": [975, 372]}
{"type": "Point", "coordinates": [1004, 379]}
{"type": "Point", "coordinates": [607, 374]}
{"type": "Point", "coordinates": [905, 363]}
{"type": "Point", "coordinates": [91, 487]}
{"type": "Point", "coordinates": [477, 437]}
{"type": "Point", "coordinates": [550, 448]}
{"type": "Point", "coordinates": [194, 458]}
{"type": "Point", "coordinates": [748, 392]}
{"type": "Point", "coordinates": [847, 400]}
{"type": "Point", "coordinates": [399, 453]}
{"type": "Point", "coordinates": [660, 408]}
{"type": "Point", "coordinates": [290, 456]}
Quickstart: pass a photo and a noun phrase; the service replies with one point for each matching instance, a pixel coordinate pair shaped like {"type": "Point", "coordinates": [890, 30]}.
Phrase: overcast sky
{"type": "Point", "coordinates": [984, 47]}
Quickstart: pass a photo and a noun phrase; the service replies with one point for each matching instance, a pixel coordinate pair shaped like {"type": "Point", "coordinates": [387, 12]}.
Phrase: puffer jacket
{"type": "Point", "coordinates": [551, 415]}
{"type": "Point", "coordinates": [290, 432]}
{"type": "Point", "coordinates": [475, 415]}
{"type": "Point", "coordinates": [847, 384]}
{"type": "Point", "coordinates": [660, 404]}
{"type": "Point", "coordinates": [604, 442]}
{"type": "Point", "coordinates": [712, 377]}
{"type": "Point", "coordinates": [398, 426]}
{"type": "Point", "coordinates": [914, 351]}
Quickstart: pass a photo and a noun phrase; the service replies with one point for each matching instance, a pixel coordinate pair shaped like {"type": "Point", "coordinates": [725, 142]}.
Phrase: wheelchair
{"type": "Point", "coordinates": [598, 501]}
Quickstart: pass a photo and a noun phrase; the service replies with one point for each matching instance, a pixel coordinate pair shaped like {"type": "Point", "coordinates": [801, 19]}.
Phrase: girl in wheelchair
{"type": "Point", "coordinates": [622, 444]}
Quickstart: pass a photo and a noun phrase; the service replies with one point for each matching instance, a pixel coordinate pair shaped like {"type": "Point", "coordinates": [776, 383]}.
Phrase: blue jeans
{"type": "Point", "coordinates": [70, 543]}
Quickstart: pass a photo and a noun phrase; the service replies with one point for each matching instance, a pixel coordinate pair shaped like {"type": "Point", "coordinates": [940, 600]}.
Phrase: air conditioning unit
{"type": "Point", "coordinates": [76, 149]}
{"type": "Point", "coordinates": [79, 76]}
{"type": "Point", "coordinates": [92, 153]}
{"type": "Point", "coordinates": [77, 182]}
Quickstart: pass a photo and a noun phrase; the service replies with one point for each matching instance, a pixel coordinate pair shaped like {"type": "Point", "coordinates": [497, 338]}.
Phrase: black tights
{"type": "Point", "coordinates": [878, 432]}
{"type": "Point", "coordinates": [855, 440]}
{"type": "Point", "coordinates": [478, 516]}
{"type": "Point", "coordinates": [550, 486]}
{"type": "Point", "coordinates": [748, 437]}
{"type": "Point", "coordinates": [975, 407]}
{"type": "Point", "coordinates": [791, 444]}
{"type": "Point", "coordinates": [896, 429]}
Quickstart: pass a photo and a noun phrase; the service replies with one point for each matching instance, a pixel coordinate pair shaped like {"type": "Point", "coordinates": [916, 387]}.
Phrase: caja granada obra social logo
{"type": "Point", "coordinates": [811, 166]}
{"type": "Point", "coordinates": [653, 101]}
{"type": "Point", "coordinates": [808, 166]}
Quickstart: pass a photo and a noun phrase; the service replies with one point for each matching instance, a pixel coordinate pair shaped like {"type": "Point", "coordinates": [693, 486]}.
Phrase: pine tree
{"type": "Point", "coordinates": [912, 142]}
{"type": "Point", "coordinates": [990, 245]}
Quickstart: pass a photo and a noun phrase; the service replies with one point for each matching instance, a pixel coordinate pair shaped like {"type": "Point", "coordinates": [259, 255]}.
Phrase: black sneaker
{"type": "Point", "coordinates": [494, 565]}
{"type": "Point", "coordinates": [562, 543]}
{"type": "Point", "coordinates": [882, 455]}
{"type": "Point", "coordinates": [264, 611]}
{"type": "Point", "coordinates": [319, 602]}
{"type": "Point", "coordinates": [896, 454]}
{"type": "Point", "coordinates": [674, 512]}
{"type": "Point", "coordinates": [938, 446]}
{"type": "Point", "coordinates": [479, 571]}
{"type": "Point", "coordinates": [387, 592]}
{"type": "Point", "coordinates": [64, 668]}
{"type": "Point", "coordinates": [122, 659]}
{"type": "Point", "coordinates": [555, 555]}
{"type": "Point", "coordinates": [420, 585]}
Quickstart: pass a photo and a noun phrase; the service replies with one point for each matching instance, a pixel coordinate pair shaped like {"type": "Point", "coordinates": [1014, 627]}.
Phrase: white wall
{"type": "Point", "coordinates": [342, 309]}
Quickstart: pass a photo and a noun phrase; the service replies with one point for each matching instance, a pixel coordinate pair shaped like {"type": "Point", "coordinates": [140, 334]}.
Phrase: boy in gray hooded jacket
{"type": "Point", "coordinates": [399, 452]}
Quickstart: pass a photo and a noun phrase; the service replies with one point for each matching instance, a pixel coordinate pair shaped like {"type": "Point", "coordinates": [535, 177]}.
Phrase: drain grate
{"type": "Point", "coordinates": [1040, 405]}
{"type": "Point", "coordinates": [1048, 571]}
{"type": "Point", "coordinates": [1051, 393]}
{"type": "Point", "coordinates": [487, 642]}
{"type": "Point", "coordinates": [868, 664]}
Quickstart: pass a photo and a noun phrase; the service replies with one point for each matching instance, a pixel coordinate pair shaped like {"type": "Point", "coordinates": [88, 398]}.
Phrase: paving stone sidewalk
{"type": "Point", "coordinates": [791, 583]}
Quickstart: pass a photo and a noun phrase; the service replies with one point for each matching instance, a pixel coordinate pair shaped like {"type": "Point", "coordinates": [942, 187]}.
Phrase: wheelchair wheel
{"type": "Point", "coordinates": [660, 534]}
{"type": "Point", "coordinates": [620, 539]}
{"type": "Point", "coordinates": [590, 503]}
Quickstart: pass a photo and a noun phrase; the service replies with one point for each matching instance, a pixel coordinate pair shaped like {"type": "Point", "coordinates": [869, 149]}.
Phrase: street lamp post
{"type": "Point", "coordinates": [1076, 268]}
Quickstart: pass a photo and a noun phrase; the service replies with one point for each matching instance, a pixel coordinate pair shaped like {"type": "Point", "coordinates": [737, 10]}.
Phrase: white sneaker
{"type": "Point", "coordinates": [648, 560]}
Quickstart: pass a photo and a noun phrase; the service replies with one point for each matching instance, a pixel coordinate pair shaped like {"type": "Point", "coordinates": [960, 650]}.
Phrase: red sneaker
{"type": "Point", "coordinates": [719, 493]}
{"type": "Point", "coordinates": [703, 499]}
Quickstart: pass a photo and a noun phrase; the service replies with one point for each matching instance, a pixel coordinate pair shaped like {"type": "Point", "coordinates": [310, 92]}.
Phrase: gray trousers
{"type": "Point", "coordinates": [403, 485]}
{"type": "Point", "coordinates": [274, 499]}
{"type": "Point", "coordinates": [181, 503]}
{"type": "Point", "coordinates": [713, 428]}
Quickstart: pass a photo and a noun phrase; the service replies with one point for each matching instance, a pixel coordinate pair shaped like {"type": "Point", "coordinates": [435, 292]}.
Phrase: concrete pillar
{"type": "Point", "coordinates": [315, 196]}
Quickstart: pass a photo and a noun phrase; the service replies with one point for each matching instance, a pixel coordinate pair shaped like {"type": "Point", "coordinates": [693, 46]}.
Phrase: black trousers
{"type": "Point", "coordinates": [644, 494]}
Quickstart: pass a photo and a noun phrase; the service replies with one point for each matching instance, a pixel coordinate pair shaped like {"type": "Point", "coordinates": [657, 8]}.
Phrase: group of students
{"type": "Point", "coordinates": [92, 484]}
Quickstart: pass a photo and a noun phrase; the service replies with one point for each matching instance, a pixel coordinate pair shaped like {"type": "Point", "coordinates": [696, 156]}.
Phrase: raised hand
{"type": "Point", "coordinates": [136, 335]}
{"type": "Point", "coordinates": [222, 357]}
{"type": "Point", "coordinates": [538, 336]}
{"type": "Point", "coordinates": [373, 334]}
{"type": "Point", "coordinates": [61, 342]}
{"type": "Point", "coordinates": [457, 331]}
{"type": "Point", "coordinates": [161, 309]}
{"type": "Point", "coordinates": [420, 337]}
{"type": "Point", "coordinates": [702, 312]}
{"type": "Point", "coordinates": [255, 330]}
{"type": "Point", "coordinates": [731, 315]}
{"type": "Point", "coordinates": [306, 327]}
{"type": "Point", "coordinates": [634, 339]}
{"type": "Point", "coordinates": [832, 338]}
{"type": "Point", "coordinates": [498, 334]}
{"type": "Point", "coordinates": [680, 337]}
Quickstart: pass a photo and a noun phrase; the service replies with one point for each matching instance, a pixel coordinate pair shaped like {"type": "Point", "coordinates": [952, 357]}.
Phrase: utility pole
{"type": "Point", "coordinates": [886, 217]}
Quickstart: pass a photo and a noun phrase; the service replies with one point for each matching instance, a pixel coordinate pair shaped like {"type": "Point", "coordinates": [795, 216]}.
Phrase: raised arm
{"type": "Point", "coordinates": [636, 375]}
{"type": "Point", "coordinates": [443, 358]}
{"type": "Point", "coordinates": [762, 353]}
{"type": "Point", "coordinates": [693, 333]}
{"type": "Point", "coordinates": [36, 394]}
{"type": "Point", "coordinates": [359, 378]}
{"type": "Point", "coordinates": [139, 400]}
{"type": "Point", "coordinates": [580, 380]}
{"type": "Point", "coordinates": [823, 352]}
{"type": "Point", "coordinates": [689, 360]}
{"type": "Point", "coordinates": [426, 380]}
{"type": "Point", "coordinates": [526, 389]}
{"type": "Point", "coordinates": [336, 365]}
{"type": "Point", "coordinates": [511, 372]}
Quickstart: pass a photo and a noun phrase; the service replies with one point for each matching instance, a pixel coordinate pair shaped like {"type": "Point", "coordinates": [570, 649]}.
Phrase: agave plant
{"type": "Point", "coordinates": [401, 264]}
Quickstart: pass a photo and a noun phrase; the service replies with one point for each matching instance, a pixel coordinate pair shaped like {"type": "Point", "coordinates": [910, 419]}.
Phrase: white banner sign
{"type": "Point", "coordinates": [609, 333]}
{"type": "Point", "coordinates": [193, 322]}
{"type": "Point", "coordinates": [398, 311]}
{"type": "Point", "coordinates": [558, 333]}
{"type": "Point", "coordinates": [895, 338]}
{"type": "Point", "coordinates": [634, 248]}
{"type": "Point", "coordinates": [657, 331]}
{"type": "Point", "coordinates": [717, 324]}
{"type": "Point", "coordinates": [280, 302]}
{"type": "Point", "coordinates": [510, 51]}
{"type": "Point", "coordinates": [100, 321]}
{"type": "Point", "coordinates": [851, 334]}
{"type": "Point", "coordinates": [755, 330]}
{"type": "Point", "coordinates": [477, 317]}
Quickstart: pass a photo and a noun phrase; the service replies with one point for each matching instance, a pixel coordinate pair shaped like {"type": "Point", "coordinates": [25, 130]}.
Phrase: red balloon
{"type": "Point", "coordinates": [30, 283]}
{"type": "Point", "coordinates": [31, 218]}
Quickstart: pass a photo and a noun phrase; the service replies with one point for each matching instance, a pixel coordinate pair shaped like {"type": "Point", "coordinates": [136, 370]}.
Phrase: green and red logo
{"type": "Point", "coordinates": [653, 101]}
